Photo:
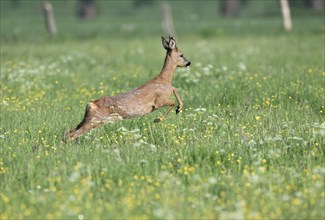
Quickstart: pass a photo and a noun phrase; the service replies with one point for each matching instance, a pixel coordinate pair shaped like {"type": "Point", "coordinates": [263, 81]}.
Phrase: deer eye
{"type": "Point", "coordinates": [181, 55]}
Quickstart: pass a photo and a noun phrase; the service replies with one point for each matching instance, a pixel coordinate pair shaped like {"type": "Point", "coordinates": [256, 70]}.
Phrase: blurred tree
{"type": "Point", "coordinates": [141, 3]}
{"type": "Point", "coordinates": [230, 8]}
{"type": "Point", "coordinates": [87, 9]}
{"type": "Point", "coordinates": [15, 3]}
{"type": "Point", "coordinates": [318, 5]}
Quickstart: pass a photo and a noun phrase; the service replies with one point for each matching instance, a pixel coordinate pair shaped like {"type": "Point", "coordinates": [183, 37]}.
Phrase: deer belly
{"type": "Point", "coordinates": [135, 103]}
{"type": "Point", "coordinates": [138, 110]}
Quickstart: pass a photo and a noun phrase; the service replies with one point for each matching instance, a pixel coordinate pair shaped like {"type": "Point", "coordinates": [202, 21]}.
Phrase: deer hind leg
{"type": "Point", "coordinates": [92, 119]}
{"type": "Point", "coordinates": [95, 116]}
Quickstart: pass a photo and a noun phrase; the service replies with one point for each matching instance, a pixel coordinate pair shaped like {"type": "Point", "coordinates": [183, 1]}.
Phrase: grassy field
{"type": "Point", "coordinates": [248, 144]}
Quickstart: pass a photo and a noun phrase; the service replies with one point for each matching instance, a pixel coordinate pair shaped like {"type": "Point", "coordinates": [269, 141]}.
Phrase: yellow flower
{"type": "Point", "coordinates": [257, 118]}
{"type": "Point", "coordinates": [295, 201]}
{"type": "Point", "coordinates": [4, 198]}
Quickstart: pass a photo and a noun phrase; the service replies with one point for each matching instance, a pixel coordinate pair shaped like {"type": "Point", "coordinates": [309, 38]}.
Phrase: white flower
{"type": "Point", "coordinates": [200, 110]}
{"type": "Point", "coordinates": [242, 66]}
{"type": "Point", "coordinates": [74, 176]}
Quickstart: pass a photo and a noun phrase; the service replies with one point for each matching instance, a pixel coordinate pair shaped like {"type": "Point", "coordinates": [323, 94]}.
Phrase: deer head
{"type": "Point", "coordinates": [174, 53]}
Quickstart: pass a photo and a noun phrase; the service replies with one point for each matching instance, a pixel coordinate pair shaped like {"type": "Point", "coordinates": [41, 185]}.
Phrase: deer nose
{"type": "Point", "coordinates": [188, 63]}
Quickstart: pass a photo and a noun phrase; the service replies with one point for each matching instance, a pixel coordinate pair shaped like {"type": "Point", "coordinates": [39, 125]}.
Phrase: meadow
{"type": "Point", "coordinates": [249, 143]}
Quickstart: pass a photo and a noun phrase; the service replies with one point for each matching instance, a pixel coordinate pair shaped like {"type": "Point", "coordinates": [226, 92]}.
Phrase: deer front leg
{"type": "Point", "coordinates": [180, 103]}
{"type": "Point", "coordinates": [169, 103]}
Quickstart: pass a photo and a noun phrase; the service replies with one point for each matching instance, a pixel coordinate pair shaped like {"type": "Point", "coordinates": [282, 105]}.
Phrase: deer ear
{"type": "Point", "coordinates": [165, 43]}
{"type": "Point", "coordinates": [172, 43]}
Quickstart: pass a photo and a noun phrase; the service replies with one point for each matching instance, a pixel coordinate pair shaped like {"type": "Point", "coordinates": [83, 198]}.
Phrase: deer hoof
{"type": "Point", "coordinates": [178, 110]}
{"type": "Point", "coordinates": [157, 120]}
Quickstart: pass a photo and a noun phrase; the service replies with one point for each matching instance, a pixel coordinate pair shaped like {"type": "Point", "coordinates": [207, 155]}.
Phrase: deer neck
{"type": "Point", "coordinates": [167, 71]}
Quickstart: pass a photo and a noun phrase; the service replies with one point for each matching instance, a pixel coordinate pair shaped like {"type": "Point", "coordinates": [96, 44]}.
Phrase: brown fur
{"type": "Point", "coordinates": [143, 100]}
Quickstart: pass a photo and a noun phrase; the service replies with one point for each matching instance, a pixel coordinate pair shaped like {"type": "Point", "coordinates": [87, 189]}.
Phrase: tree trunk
{"type": "Point", "coordinates": [230, 8]}
{"type": "Point", "coordinates": [87, 9]}
{"type": "Point", "coordinates": [286, 15]}
{"type": "Point", "coordinates": [49, 18]}
{"type": "Point", "coordinates": [167, 22]}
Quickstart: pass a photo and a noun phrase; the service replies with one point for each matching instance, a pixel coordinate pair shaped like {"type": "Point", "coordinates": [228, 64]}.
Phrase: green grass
{"type": "Point", "coordinates": [248, 144]}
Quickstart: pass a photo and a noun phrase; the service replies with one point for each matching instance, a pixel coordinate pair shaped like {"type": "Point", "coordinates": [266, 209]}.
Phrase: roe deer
{"type": "Point", "coordinates": [139, 101]}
